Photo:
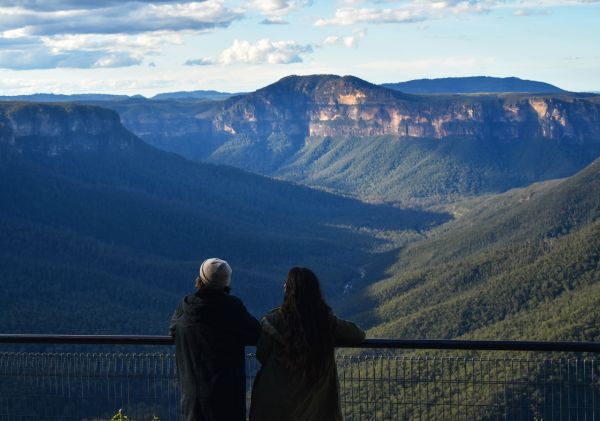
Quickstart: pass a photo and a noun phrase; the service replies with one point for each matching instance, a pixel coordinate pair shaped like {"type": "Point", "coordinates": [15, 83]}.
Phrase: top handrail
{"type": "Point", "coordinates": [447, 344]}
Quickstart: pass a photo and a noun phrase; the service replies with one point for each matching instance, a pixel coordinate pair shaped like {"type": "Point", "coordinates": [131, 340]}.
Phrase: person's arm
{"type": "Point", "coordinates": [249, 326]}
{"type": "Point", "coordinates": [176, 315]}
{"type": "Point", "coordinates": [264, 347]}
{"type": "Point", "coordinates": [269, 335]}
{"type": "Point", "coordinates": [347, 332]}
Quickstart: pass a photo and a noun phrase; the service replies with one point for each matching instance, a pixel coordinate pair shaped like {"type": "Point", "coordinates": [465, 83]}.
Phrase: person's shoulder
{"type": "Point", "coordinates": [272, 315]}
{"type": "Point", "coordinates": [233, 301]}
{"type": "Point", "coordinates": [232, 298]}
{"type": "Point", "coordinates": [187, 299]}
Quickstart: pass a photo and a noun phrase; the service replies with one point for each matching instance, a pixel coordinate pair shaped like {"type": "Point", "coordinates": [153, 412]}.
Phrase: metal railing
{"type": "Point", "coordinates": [382, 384]}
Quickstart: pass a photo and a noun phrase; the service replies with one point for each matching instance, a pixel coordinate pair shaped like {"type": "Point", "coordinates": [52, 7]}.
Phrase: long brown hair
{"type": "Point", "coordinates": [307, 329]}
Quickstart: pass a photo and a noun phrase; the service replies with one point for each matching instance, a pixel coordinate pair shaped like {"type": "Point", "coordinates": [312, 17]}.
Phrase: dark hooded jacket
{"type": "Point", "coordinates": [210, 329]}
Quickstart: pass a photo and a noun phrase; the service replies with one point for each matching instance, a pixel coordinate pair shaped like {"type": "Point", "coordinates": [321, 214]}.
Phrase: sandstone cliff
{"type": "Point", "coordinates": [348, 106]}
{"type": "Point", "coordinates": [52, 129]}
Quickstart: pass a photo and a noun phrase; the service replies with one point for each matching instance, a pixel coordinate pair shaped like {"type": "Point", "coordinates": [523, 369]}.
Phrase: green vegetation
{"type": "Point", "coordinates": [429, 171]}
{"type": "Point", "coordinates": [524, 265]}
{"type": "Point", "coordinates": [107, 241]}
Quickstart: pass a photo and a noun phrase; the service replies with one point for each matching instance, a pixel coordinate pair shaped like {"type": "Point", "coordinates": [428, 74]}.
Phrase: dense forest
{"type": "Point", "coordinates": [103, 233]}
{"type": "Point", "coordinates": [522, 265]}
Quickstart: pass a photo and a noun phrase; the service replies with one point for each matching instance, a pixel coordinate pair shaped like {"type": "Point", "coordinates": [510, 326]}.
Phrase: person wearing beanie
{"type": "Point", "coordinates": [211, 328]}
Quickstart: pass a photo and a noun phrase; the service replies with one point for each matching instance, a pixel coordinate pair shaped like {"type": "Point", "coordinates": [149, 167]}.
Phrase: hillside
{"type": "Point", "coordinates": [523, 265]}
{"type": "Point", "coordinates": [103, 233]}
{"type": "Point", "coordinates": [471, 85]}
{"type": "Point", "coordinates": [348, 135]}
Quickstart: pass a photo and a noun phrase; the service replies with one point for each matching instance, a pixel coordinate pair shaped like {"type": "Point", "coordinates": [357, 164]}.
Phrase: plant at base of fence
{"type": "Point", "coordinates": [119, 416]}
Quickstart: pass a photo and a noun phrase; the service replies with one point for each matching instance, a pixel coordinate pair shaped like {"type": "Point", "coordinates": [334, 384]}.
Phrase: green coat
{"type": "Point", "coordinates": [281, 395]}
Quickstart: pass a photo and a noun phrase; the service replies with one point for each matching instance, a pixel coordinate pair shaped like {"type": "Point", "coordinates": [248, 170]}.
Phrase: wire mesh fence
{"type": "Point", "coordinates": [94, 386]}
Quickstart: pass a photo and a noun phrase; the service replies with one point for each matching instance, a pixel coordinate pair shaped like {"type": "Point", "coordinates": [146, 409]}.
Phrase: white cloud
{"type": "Point", "coordinates": [50, 5]}
{"type": "Point", "coordinates": [81, 33]}
{"type": "Point", "coordinates": [42, 58]}
{"type": "Point", "coordinates": [530, 11]}
{"type": "Point", "coordinates": [276, 10]}
{"type": "Point", "coordinates": [125, 17]}
{"type": "Point", "coordinates": [348, 16]}
{"type": "Point", "coordinates": [261, 52]}
{"type": "Point", "coordinates": [372, 12]}
{"type": "Point", "coordinates": [141, 44]}
{"type": "Point", "coordinates": [82, 50]}
{"type": "Point", "coordinates": [348, 41]}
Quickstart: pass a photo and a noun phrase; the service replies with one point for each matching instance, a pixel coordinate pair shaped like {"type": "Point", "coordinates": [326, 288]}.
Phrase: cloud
{"type": "Point", "coordinates": [353, 12]}
{"type": "Point", "coordinates": [348, 41]}
{"type": "Point", "coordinates": [44, 34]}
{"type": "Point", "coordinates": [81, 51]}
{"type": "Point", "coordinates": [348, 16]}
{"type": "Point", "coordinates": [275, 10]}
{"type": "Point", "coordinates": [125, 17]}
{"type": "Point", "coordinates": [261, 52]}
{"type": "Point", "coordinates": [274, 21]}
{"type": "Point", "coordinates": [200, 62]}
{"type": "Point", "coordinates": [142, 43]}
{"type": "Point", "coordinates": [42, 58]}
{"type": "Point", "coordinates": [529, 11]}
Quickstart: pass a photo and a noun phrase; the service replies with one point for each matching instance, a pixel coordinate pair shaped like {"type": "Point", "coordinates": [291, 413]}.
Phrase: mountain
{"type": "Point", "coordinates": [101, 232]}
{"type": "Point", "coordinates": [181, 95]}
{"type": "Point", "coordinates": [66, 98]}
{"type": "Point", "coordinates": [522, 265]}
{"type": "Point", "coordinates": [214, 95]}
{"type": "Point", "coordinates": [348, 135]}
{"type": "Point", "coordinates": [471, 85]}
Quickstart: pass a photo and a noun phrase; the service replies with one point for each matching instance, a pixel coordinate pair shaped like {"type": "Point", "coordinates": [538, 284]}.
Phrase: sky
{"type": "Point", "coordinates": [151, 46]}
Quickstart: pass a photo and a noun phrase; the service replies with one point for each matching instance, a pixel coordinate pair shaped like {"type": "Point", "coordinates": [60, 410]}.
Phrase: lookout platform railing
{"type": "Point", "coordinates": [380, 379]}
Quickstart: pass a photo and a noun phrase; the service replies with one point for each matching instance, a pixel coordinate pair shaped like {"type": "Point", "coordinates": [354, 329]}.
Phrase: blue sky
{"type": "Point", "coordinates": [146, 47]}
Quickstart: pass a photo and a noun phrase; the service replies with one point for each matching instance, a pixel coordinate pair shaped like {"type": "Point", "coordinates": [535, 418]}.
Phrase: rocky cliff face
{"type": "Point", "coordinates": [347, 106]}
{"type": "Point", "coordinates": [52, 129]}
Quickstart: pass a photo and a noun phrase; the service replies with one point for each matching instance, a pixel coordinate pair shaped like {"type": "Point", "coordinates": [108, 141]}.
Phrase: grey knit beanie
{"type": "Point", "coordinates": [215, 274]}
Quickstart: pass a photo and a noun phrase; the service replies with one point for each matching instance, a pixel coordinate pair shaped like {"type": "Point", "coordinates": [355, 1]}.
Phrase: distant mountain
{"type": "Point", "coordinates": [348, 135]}
{"type": "Point", "coordinates": [102, 233]}
{"type": "Point", "coordinates": [66, 98]}
{"type": "Point", "coordinates": [471, 85]}
{"type": "Point", "coordinates": [214, 95]}
{"type": "Point", "coordinates": [522, 265]}
{"type": "Point", "coordinates": [183, 95]}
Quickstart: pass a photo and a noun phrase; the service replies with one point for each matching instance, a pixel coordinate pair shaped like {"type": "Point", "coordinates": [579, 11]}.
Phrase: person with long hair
{"type": "Point", "coordinates": [297, 380]}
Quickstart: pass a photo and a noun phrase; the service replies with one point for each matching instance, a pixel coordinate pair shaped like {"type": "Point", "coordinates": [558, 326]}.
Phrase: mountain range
{"type": "Point", "coordinates": [349, 136]}
{"type": "Point", "coordinates": [346, 135]}
{"type": "Point", "coordinates": [102, 205]}
{"type": "Point", "coordinates": [104, 233]}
